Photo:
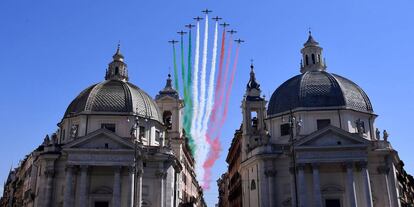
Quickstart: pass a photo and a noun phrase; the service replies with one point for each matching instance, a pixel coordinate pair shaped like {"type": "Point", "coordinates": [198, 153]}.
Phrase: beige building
{"type": "Point", "coordinates": [315, 144]}
{"type": "Point", "coordinates": [115, 146]}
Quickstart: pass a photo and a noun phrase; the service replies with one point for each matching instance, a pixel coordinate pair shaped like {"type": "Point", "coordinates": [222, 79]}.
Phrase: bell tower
{"type": "Point", "coordinates": [117, 69]}
{"type": "Point", "coordinates": [312, 59]}
{"type": "Point", "coordinates": [171, 107]}
{"type": "Point", "coordinates": [254, 113]}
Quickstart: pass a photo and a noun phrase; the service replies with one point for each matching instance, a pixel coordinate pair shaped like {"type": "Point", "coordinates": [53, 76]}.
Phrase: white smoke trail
{"type": "Point", "coordinates": [210, 93]}
{"type": "Point", "coordinates": [195, 87]}
{"type": "Point", "coordinates": [203, 148]}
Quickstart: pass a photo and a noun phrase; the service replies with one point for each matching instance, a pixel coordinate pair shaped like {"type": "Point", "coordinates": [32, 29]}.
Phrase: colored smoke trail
{"type": "Point", "coordinates": [183, 68]}
{"type": "Point", "coordinates": [203, 148]}
{"type": "Point", "coordinates": [210, 102]}
{"type": "Point", "coordinates": [189, 105]}
{"type": "Point", "coordinates": [217, 104]}
{"type": "Point", "coordinates": [195, 84]}
{"type": "Point", "coordinates": [210, 92]}
{"type": "Point", "coordinates": [175, 70]}
{"type": "Point", "coordinates": [215, 144]}
{"type": "Point", "coordinates": [214, 124]}
{"type": "Point", "coordinates": [212, 157]}
{"type": "Point", "coordinates": [233, 73]}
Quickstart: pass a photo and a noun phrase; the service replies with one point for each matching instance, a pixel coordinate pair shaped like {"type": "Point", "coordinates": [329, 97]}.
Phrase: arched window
{"type": "Point", "coordinates": [319, 58]}
{"type": "Point", "coordinates": [313, 59]}
{"type": "Point", "coordinates": [116, 70]}
{"type": "Point", "coordinates": [306, 60]}
{"type": "Point", "coordinates": [253, 185]}
{"type": "Point", "coordinates": [167, 118]}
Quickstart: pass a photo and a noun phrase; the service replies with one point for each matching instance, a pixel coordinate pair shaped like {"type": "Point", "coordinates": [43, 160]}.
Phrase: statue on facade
{"type": "Point", "coordinates": [385, 134]}
{"type": "Point", "coordinates": [299, 125]}
{"type": "Point", "coordinates": [378, 134]}
{"type": "Point", "coordinates": [360, 126]}
{"type": "Point", "coordinates": [74, 131]}
{"type": "Point", "coordinates": [46, 141]}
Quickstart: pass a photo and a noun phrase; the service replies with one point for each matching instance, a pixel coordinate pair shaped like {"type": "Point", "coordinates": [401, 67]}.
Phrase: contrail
{"type": "Point", "coordinates": [195, 87]}
{"type": "Point", "coordinates": [233, 72]}
{"type": "Point", "coordinates": [215, 124]}
{"type": "Point", "coordinates": [210, 100]}
{"type": "Point", "coordinates": [189, 105]}
{"type": "Point", "coordinates": [175, 70]}
{"type": "Point", "coordinates": [215, 144]}
{"type": "Point", "coordinates": [203, 149]}
{"type": "Point", "coordinates": [216, 106]}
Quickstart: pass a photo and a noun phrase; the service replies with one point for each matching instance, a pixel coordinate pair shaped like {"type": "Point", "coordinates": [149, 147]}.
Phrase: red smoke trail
{"type": "Point", "coordinates": [215, 144]}
{"type": "Point", "coordinates": [219, 101]}
{"type": "Point", "coordinates": [213, 155]}
{"type": "Point", "coordinates": [219, 78]}
{"type": "Point", "coordinates": [233, 73]}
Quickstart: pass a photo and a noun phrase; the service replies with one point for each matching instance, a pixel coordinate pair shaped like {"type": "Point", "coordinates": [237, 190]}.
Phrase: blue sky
{"type": "Point", "coordinates": [51, 50]}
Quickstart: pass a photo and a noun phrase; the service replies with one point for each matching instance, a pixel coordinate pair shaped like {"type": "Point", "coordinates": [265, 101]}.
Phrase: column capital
{"type": "Point", "coordinates": [49, 172]}
{"type": "Point", "coordinates": [69, 167]}
{"type": "Point", "coordinates": [161, 174]}
{"type": "Point", "coordinates": [349, 164]}
{"type": "Point", "coordinates": [117, 169]}
{"type": "Point", "coordinates": [316, 165]}
{"type": "Point", "coordinates": [301, 166]}
{"type": "Point", "coordinates": [363, 164]}
{"type": "Point", "coordinates": [83, 167]}
{"type": "Point", "coordinates": [270, 173]}
{"type": "Point", "coordinates": [383, 170]}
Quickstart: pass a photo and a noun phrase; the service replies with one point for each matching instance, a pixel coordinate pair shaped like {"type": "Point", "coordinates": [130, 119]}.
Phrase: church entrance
{"type": "Point", "coordinates": [332, 203]}
{"type": "Point", "coordinates": [101, 204]}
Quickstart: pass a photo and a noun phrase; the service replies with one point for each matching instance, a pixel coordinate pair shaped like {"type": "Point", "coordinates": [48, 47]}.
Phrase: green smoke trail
{"type": "Point", "coordinates": [175, 70]}
{"type": "Point", "coordinates": [189, 104]}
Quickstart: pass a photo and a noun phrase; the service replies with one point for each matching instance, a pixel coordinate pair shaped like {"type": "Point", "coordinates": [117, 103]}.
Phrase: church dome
{"type": "Point", "coordinates": [115, 95]}
{"type": "Point", "coordinates": [316, 88]}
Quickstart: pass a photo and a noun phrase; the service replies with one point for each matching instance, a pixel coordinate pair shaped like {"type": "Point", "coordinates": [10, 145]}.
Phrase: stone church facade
{"type": "Point", "coordinates": [115, 146]}
{"type": "Point", "coordinates": [315, 144]}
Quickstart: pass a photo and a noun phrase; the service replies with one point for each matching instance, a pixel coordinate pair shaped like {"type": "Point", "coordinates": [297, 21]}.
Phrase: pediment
{"type": "Point", "coordinates": [332, 137]}
{"type": "Point", "coordinates": [100, 139]}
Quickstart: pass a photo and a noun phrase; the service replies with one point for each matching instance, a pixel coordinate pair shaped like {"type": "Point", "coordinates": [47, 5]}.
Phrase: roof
{"type": "Point", "coordinates": [114, 96]}
{"type": "Point", "coordinates": [318, 89]}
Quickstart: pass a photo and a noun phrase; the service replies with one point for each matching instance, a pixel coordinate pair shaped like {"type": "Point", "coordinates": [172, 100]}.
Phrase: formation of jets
{"type": "Point", "coordinates": [217, 18]}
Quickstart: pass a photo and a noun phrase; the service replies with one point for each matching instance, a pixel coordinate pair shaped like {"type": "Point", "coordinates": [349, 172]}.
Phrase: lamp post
{"type": "Point", "coordinates": [292, 122]}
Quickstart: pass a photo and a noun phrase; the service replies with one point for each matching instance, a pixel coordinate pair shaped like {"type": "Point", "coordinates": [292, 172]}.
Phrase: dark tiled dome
{"type": "Point", "coordinates": [114, 96]}
{"type": "Point", "coordinates": [318, 89]}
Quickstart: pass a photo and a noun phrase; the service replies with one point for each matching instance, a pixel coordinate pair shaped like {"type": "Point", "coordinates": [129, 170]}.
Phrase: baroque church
{"type": "Point", "coordinates": [115, 146]}
{"type": "Point", "coordinates": [313, 144]}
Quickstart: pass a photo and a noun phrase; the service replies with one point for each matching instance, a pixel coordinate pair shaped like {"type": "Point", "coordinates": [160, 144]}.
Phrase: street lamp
{"type": "Point", "coordinates": [292, 123]}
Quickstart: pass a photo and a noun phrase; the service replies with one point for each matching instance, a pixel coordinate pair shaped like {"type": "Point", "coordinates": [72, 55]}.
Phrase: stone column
{"type": "Point", "coordinates": [49, 173]}
{"type": "Point", "coordinates": [139, 187]}
{"type": "Point", "coordinates": [271, 174]}
{"type": "Point", "coordinates": [292, 186]}
{"type": "Point", "coordinates": [366, 184]}
{"type": "Point", "coordinates": [316, 185]}
{"type": "Point", "coordinates": [302, 185]}
{"type": "Point", "coordinates": [83, 193]}
{"type": "Point", "coordinates": [68, 196]}
{"type": "Point", "coordinates": [395, 194]}
{"type": "Point", "coordinates": [350, 184]}
{"type": "Point", "coordinates": [161, 175]}
{"type": "Point", "coordinates": [116, 193]}
{"type": "Point", "coordinates": [384, 170]}
{"type": "Point", "coordinates": [131, 190]}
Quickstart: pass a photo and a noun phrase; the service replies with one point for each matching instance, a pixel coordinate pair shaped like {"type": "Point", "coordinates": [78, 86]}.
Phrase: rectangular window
{"type": "Point", "coordinates": [284, 129]}
{"type": "Point", "coordinates": [157, 135]}
{"type": "Point", "coordinates": [110, 127]}
{"type": "Point", "coordinates": [141, 132]}
{"type": "Point", "coordinates": [322, 123]}
{"type": "Point", "coordinates": [63, 135]}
